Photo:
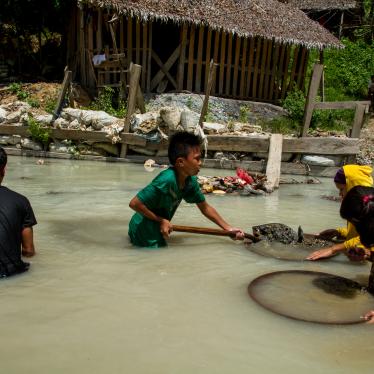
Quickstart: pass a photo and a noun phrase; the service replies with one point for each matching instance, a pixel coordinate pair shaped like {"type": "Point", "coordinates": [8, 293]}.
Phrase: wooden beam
{"type": "Point", "coordinates": [273, 167]}
{"type": "Point", "coordinates": [285, 72]}
{"type": "Point", "coordinates": [215, 58]}
{"type": "Point", "coordinates": [312, 93]}
{"type": "Point", "coordinates": [199, 59]}
{"type": "Point", "coordinates": [321, 146]}
{"type": "Point", "coordinates": [182, 57]}
{"type": "Point", "coordinates": [138, 39]}
{"type": "Point", "coordinates": [164, 68]}
{"type": "Point", "coordinates": [133, 87]}
{"type": "Point", "coordinates": [273, 72]}
{"type": "Point", "coordinates": [129, 40]}
{"type": "Point", "coordinates": [236, 67]}
{"type": "Point", "coordinates": [278, 81]}
{"type": "Point", "coordinates": [60, 101]}
{"type": "Point", "coordinates": [144, 55]}
{"type": "Point", "coordinates": [121, 35]}
{"type": "Point", "coordinates": [79, 135]}
{"type": "Point", "coordinates": [222, 63]}
{"type": "Point", "coordinates": [264, 57]}
{"type": "Point", "coordinates": [243, 67]}
{"type": "Point", "coordinates": [191, 51]}
{"type": "Point", "coordinates": [358, 120]}
{"type": "Point", "coordinates": [294, 66]}
{"type": "Point", "coordinates": [149, 64]}
{"type": "Point", "coordinates": [250, 69]}
{"type": "Point", "coordinates": [340, 104]}
{"type": "Point", "coordinates": [99, 35]}
{"type": "Point", "coordinates": [255, 72]}
{"type": "Point", "coordinates": [229, 66]}
{"type": "Point", "coordinates": [268, 69]}
{"type": "Point", "coordinates": [212, 71]}
{"type": "Point", "coordinates": [207, 57]}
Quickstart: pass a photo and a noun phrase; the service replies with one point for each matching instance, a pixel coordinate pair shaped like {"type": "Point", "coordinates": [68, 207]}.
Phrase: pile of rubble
{"type": "Point", "coordinates": [244, 183]}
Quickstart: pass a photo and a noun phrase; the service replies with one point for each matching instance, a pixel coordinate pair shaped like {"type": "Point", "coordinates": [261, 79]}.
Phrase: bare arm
{"type": "Point", "coordinates": [326, 252]}
{"type": "Point", "coordinates": [28, 249]}
{"type": "Point", "coordinates": [165, 225]}
{"type": "Point", "coordinates": [209, 212]}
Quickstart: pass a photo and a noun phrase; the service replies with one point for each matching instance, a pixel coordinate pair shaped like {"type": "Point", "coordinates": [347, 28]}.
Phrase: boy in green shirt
{"type": "Point", "coordinates": [156, 204]}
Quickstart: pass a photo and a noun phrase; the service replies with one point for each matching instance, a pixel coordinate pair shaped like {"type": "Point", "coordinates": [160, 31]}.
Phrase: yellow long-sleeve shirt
{"type": "Point", "coordinates": [355, 175]}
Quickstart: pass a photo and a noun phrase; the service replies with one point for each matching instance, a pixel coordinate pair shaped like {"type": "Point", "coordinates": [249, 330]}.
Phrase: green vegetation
{"type": "Point", "coordinates": [244, 112]}
{"type": "Point", "coordinates": [50, 104]}
{"type": "Point", "coordinates": [106, 102]}
{"type": "Point", "coordinates": [38, 133]}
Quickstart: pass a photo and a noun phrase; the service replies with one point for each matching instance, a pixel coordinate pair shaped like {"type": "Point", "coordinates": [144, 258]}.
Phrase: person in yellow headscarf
{"type": "Point", "coordinates": [345, 179]}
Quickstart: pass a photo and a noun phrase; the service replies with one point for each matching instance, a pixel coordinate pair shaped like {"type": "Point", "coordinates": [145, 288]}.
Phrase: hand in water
{"type": "Point", "coordinates": [166, 228]}
{"type": "Point", "coordinates": [369, 317]}
{"type": "Point", "coordinates": [358, 254]}
{"type": "Point", "coordinates": [321, 253]}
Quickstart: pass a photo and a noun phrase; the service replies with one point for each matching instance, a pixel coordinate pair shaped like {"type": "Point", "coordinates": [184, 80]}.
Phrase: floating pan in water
{"type": "Point", "coordinates": [312, 297]}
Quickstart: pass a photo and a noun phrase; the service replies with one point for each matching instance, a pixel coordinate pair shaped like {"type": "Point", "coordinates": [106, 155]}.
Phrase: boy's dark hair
{"type": "Point", "coordinates": [358, 207]}
{"type": "Point", "coordinates": [180, 145]}
{"type": "Point", "coordinates": [3, 159]}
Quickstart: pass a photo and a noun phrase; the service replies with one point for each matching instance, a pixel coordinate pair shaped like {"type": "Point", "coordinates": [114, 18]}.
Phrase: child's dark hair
{"type": "Point", "coordinates": [358, 207]}
{"type": "Point", "coordinates": [3, 160]}
{"type": "Point", "coordinates": [180, 145]}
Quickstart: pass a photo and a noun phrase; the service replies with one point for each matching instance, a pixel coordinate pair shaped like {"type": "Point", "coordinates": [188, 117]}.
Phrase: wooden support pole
{"type": "Point", "coordinates": [135, 72]}
{"type": "Point", "coordinates": [358, 120]}
{"type": "Point", "coordinates": [212, 70]}
{"type": "Point", "coordinates": [60, 101]}
{"type": "Point", "coordinates": [312, 93]}
{"type": "Point", "coordinates": [273, 167]}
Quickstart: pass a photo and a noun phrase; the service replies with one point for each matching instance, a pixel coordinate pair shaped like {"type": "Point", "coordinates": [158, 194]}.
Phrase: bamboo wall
{"type": "Point", "coordinates": [248, 68]}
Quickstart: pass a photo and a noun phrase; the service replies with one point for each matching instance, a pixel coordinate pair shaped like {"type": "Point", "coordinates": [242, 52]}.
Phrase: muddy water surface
{"type": "Point", "coordinates": [91, 303]}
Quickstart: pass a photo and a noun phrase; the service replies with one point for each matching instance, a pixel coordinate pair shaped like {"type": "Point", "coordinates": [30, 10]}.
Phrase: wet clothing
{"type": "Point", "coordinates": [355, 175]}
{"type": "Point", "coordinates": [15, 215]}
{"type": "Point", "coordinates": [162, 196]}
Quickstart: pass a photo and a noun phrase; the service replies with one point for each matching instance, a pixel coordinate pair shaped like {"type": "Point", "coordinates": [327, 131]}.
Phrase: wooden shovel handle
{"type": "Point", "coordinates": [209, 231]}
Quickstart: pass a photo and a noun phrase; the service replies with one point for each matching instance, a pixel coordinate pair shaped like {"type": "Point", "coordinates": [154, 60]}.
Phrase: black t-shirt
{"type": "Point", "coordinates": [15, 214]}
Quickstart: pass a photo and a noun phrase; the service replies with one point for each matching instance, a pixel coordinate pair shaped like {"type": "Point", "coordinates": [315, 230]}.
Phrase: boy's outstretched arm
{"type": "Point", "coordinates": [209, 212]}
{"type": "Point", "coordinates": [165, 226]}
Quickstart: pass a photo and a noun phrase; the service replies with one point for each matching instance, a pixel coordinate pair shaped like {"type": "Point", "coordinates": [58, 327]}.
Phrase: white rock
{"type": "Point", "coordinates": [59, 148]}
{"type": "Point", "coordinates": [171, 117]}
{"type": "Point", "coordinates": [96, 118]}
{"type": "Point", "coordinates": [189, 120]}
{"type": "Point", "coordinates": [13, 117]}
{"type": "Point", "coordinates": [10, 139]}
{"type": "Point", "coordinates": [246, 127]}
{"type": "Point", "coordinates": [44, 119]}
{"type": "Point", "coordinates": [30, 144]}
{"type": "Point", "coordinates": [214, 128]}
{"type": "Point", "coordinates": [74, 125]}
{"type": "Point", "coordinates": [71, 114]}
{"type": "Point", "coordinates": [317, 160]}
{"type": "Point", "coordinates": [3, 114]}
{"type": "Point", "coordinates": [145, 122]}
{"type": "Point", "coordinates": [61, 123]}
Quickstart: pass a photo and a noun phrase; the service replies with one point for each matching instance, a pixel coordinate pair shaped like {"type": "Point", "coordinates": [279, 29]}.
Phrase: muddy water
{"type": "Point", "coordinates": [93, 304]}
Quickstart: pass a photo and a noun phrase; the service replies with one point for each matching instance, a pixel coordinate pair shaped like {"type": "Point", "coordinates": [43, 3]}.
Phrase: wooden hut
{"type": "Point", "coordinates": [261, 47]}
{"type": "Point", "coordinates": [331, 14]}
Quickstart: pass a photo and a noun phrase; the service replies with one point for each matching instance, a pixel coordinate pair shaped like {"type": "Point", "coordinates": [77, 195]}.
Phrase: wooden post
{"type": "Point", "coordinates": [358, 120]}
{"type": "Point", "coordinates": [312, 93]}
{"type": "Point", "coordinates": [273, 167]}
{"type": "Point", "coordinates": [204, 109]}
{"type": "Point", "coordinates": [60, 101]}
{"type": "Point", "coordinates": [135, 72]}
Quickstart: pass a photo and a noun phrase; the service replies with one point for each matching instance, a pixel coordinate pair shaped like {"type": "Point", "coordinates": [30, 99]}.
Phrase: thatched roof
{"type": "Point", "coordinates": [269, 19]}
{"type": "Point", "coordinates": [322, 4]}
